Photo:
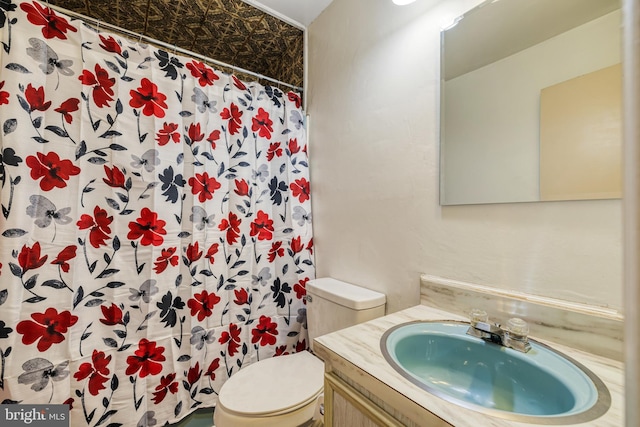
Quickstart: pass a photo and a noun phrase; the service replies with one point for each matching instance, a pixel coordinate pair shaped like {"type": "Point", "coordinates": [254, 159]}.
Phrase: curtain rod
{"type": "Point", "coordinates": [99, 23]}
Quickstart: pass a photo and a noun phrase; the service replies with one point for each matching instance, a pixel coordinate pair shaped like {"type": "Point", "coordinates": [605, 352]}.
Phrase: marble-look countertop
{"type": "Point", "coordinates": [360, 345]}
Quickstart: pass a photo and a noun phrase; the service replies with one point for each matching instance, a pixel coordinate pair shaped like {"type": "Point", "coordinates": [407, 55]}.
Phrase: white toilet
{"type": "Point", "coordinates": [285, 391]}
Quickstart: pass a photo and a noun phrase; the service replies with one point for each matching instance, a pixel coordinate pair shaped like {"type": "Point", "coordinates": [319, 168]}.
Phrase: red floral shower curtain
{"type": "Point", "coordinates": [156, 223]}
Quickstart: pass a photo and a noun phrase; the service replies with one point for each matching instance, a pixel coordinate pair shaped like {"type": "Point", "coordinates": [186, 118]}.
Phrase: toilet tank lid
{"type": "Point", "coordinates": [345, 294]}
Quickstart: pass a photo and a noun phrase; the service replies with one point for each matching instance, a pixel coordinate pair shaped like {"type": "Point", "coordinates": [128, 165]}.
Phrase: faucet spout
{"type": "Point", "coordinates": [486, 330]}
{"type": "Point", "coordinates": [514, 336]}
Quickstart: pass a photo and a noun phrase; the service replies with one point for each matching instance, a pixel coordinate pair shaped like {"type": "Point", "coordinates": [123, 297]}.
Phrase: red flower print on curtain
{"type": "Point", "coordinates": [232, 227]}
{"type": "Point", "coordinates": [4, 95]}
{"type": "Point", "coordinates": [46, 328]}
{"type": "Point", "coordinates": [97, 371]}
{"type": "Point", "coordinates": [52, 24]}
{"type": "Point", "coordinates": [101, 84]}
{"type": "Point", "coordinates": [167, 257]}
{"type": "Point", "coordinates": [193, 252]}
{"type": "Point", "coordinates": [35, 98]}
{"type": "Point", "coordinates": [29, 258]}
{"type": "Point", "coordinates": [111, 315]}
{"type": "Point", "coordinates": [194, 132]}
{"type": "Point", "coordinates": [203, 185]}
{"type": "Point", "coordinates": [146, 359]}
{"type": "Point", "coordinates": [242, 188]}
{"type": "Point", "coordinates": [67, 107]}
{"type": "Point", "coordinates": [213, 137]}
{"type": "Point", "coordinates": [262, 226]}
{"type": "Point", "coordinates": [168, 133]}
{"type": "Point", "coordinates": [99, 225]}
{"type": "Point", "coordinates": [67, 254]}
{"type": "Point", "coordinates": [295, 98]}
{"type": "Point", "coordinates": [211, 253]}
{"type": "Point", "coordinates": [300, 189]}
{"type": "Point", "coordinates": [156, 223]}
{"type": "Point", "coordinates": [205, 75]}
{"type": "Point", "coordinates": [149, 98]}
{"type": "Point", "coordinates": [262, 124]}
{"type": "Point", "coordinates": [294, 148]}
{"type": "Point", "coordinates": [274, 151]}
{"type": "Point", "coordinates": [202, 305]}
{"type": "Point", "coordinates": [55, 172]}
{"type": "Point", "coordinates": [167, 385]}
{"type": "Point", "coordinates": [149, 227]}
{"type": "Point", "coordinates": [110, 44]}
{"type": "Point", "coordinates": [242, 297]}
{"type": "Point", "coordinates": [232, 339]}
{"type": "Point", "coordinates": [115, 178]}
{"type": "Point", "coordinates": [265, 333]}
{"type": "Point", "coordinates": [233, 115]}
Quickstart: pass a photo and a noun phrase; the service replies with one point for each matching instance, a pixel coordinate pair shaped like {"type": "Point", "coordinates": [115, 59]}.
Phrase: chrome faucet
{"type": "Point", "coordinates": [514, 335]}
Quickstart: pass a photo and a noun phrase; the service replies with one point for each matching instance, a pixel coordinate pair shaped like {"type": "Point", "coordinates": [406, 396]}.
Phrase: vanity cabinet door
{"type": "Point", "coordinates": [346, 407]}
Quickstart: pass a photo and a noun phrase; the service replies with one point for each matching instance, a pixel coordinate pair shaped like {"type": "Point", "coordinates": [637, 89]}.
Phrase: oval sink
{"type": "Point", "coordinates": [541, 386]}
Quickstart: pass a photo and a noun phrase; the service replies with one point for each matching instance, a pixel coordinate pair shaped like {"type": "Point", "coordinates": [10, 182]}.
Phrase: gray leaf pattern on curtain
{"type": "Point", "coordinates": [156, 223]}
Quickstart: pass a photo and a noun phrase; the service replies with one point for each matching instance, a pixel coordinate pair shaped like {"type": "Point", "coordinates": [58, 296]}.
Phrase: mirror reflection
{"type": "Point", "coordinates": [531, 102]}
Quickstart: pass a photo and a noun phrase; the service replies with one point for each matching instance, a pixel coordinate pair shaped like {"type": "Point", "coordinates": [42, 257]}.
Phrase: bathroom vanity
{"type": "Point", "coordinates": [362, 389]}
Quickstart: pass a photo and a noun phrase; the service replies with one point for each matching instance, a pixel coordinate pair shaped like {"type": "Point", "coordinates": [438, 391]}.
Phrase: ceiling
{"type": "Point", "coordinates": [266, 36]}
{"type": "Point", "coordinates": [301, 12]}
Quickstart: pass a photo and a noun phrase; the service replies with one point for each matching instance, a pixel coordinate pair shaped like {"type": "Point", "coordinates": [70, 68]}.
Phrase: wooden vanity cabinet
{"type": "Point", "coordinates": [354, 398]}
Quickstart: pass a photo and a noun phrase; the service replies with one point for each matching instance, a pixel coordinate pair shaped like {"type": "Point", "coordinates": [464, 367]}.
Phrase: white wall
{"type": "Point", "coordinates": [492, 115]}
{"type": "Point", "coordinates": [373, 100]}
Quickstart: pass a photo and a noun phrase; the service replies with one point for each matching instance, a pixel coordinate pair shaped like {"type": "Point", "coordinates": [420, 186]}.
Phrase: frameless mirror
{"type": "Point", "coordinates": [531, 102]}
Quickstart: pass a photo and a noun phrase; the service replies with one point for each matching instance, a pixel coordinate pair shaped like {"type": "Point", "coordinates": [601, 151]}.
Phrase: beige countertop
{"type": "Point", "coordinates": [359, 346]}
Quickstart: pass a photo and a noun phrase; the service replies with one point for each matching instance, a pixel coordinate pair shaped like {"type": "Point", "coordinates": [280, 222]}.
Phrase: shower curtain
{"type": "Point", "coordinates": [156, 223]}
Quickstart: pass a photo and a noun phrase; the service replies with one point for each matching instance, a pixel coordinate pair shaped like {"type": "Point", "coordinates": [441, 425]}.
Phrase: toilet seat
{"type": "Point", "coordinates": [273, 387]}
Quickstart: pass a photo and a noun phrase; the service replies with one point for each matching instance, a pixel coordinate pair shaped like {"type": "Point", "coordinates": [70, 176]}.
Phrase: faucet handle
{"type": "Point", "coordinates": [478, 315]}
{"type": "Point", "coordinates": [518, 327]}
{"type": "Point", "coordinates": [516, 335]}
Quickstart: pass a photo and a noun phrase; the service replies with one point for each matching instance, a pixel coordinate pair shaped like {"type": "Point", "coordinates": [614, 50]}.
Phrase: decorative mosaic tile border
{"type": "Point", "coordinates": [230, 31]}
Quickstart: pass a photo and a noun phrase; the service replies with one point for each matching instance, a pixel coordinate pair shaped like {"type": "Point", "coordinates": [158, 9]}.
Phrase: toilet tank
{"type": "Point", "coordinates": [333, 305]}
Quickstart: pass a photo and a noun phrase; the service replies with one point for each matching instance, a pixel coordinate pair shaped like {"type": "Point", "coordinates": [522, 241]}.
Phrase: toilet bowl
{"type": "Point", "coordinates": [281, 391]}
{"type": "Point", "coordinates": [286, 391]}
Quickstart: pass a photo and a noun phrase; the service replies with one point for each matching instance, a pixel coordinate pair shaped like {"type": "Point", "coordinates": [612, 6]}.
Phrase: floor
{"type": "Point", "coordinates": [199, 418]}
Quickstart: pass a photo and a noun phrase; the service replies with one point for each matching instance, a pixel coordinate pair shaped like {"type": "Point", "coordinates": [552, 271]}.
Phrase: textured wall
{"type": "Point", "coordinates": [373, 100]}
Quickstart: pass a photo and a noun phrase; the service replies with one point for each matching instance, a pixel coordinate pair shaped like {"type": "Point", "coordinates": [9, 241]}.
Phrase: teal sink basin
{"type": "Point", "coordinates": [541, 386]}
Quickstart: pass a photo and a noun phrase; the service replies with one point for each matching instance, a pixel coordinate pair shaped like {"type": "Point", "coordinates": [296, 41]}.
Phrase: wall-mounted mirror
{"type": "Point", "coordinates": [531, 102]}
